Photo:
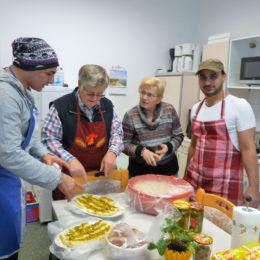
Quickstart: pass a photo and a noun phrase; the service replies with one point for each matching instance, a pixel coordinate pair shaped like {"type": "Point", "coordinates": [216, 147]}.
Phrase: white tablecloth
{"type": "Point", "coordinates": [65, 217]}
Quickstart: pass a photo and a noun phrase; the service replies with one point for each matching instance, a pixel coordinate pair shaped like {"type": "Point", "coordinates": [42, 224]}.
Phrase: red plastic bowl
{"type": "Point", "coordinates": [153, 204]}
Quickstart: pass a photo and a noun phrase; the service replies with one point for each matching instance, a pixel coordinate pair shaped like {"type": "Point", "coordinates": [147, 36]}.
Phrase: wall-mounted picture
{"type": "Point", "coordinates": [118, 78]}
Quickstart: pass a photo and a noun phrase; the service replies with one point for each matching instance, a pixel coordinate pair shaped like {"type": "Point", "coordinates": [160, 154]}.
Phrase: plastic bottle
{"type": "Point", "coordinates": [59, 77]}
{"type": "Point", "coordinates": [55, 78]}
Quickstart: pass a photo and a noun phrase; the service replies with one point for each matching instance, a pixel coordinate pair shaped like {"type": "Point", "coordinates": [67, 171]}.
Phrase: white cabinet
{"type": "Point", "coordinates": [241, 47]}
{"type": "Point", "coordinates": [42, 100]}
{"type": "Point", "coordinates": [182, 156]}
{"type": "Point", "coordinates": [45, 198]}
{"type": "Point", "coordinates": [182, 91]}
{"type": "Point", "coordinates": [172, 92]}
{"type": "Point", "coordinates": [219, 50]}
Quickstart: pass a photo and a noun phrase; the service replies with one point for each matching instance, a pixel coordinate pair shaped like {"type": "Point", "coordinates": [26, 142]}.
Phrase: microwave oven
{"type": "Point", "coordinates": [250, 70]}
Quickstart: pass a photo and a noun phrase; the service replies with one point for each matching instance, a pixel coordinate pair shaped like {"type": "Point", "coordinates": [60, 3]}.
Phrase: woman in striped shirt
{"type": "Point", "coordinates": [152, 132]}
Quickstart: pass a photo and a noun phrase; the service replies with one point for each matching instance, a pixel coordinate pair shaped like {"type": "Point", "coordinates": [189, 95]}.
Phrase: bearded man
{"type": "Point", "coordinates": [222, 142]}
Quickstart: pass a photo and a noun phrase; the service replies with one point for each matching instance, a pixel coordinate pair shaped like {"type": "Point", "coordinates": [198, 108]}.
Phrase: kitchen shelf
{"type": "Point", "coordinates": [161, 74]}
{"type": "Point", "coordinates": [240, 47]}
{"type": "Point", "coordinates": [243, 87]}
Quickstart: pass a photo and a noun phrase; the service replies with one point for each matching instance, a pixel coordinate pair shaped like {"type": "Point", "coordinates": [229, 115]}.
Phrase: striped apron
{"type": "Point", "coordinates": [216, 165]}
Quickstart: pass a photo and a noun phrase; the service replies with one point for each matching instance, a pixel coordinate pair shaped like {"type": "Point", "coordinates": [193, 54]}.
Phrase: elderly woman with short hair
{"type": "Point", "coordinates": [152, 132]}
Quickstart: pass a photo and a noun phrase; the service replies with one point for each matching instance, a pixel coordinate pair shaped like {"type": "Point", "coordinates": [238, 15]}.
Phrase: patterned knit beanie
{"type": "Point", "coordinates": [33, 54]}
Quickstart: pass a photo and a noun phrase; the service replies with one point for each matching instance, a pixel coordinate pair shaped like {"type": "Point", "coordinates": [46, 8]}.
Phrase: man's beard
{"type": "Point", "coordinates": [217, 91]}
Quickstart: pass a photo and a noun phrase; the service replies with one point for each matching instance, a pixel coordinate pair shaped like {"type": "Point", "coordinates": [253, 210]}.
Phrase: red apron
{"type": "Point", "coordinates": [89, 146]}
{"type": "Point", "coordinates": [216, 165]}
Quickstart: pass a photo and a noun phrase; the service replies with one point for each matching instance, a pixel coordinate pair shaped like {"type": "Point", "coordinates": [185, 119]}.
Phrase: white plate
{"type": "Point", "coordinates": [59, 243]}
{"type": "Point", "coordinates": [119, 213]}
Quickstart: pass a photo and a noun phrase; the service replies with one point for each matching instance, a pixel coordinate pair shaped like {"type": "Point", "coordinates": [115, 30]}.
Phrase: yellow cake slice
{"type": "Point", "coordinates": [85, 232]}
{"type": "Point", "coordinates": [99, 206]}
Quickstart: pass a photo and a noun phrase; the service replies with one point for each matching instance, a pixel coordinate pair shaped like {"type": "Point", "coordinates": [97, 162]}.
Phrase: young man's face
{"type": "Point", "coordinates": [211, 83]}
{"type": "Point", "coordinates": [40, 78]}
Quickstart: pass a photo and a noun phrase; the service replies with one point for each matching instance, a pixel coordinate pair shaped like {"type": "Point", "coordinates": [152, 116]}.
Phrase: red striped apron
{"type": "Point", "coordinates": [216, 165]}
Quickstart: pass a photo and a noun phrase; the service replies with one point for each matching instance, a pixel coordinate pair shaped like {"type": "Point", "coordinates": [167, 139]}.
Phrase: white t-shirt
{"type": "Point", "coordinates": [238, 115]}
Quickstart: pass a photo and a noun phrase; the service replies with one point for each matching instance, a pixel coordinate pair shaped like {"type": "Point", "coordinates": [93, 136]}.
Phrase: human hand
{"type": "Point", "coordinates": [162, 151]}
{"type": "Point", "coordinates": [150, 157]}
{"type": "Point", "coordinates": [68, 186]}
{"type": "Point", "coordinates": [253, 192]}
{"type": "Point", "coordinates": [51, 159]}
{"type": "Point", "coordinates": [108, 163]}
{"type": "Point", "coordinates": [77, 169]}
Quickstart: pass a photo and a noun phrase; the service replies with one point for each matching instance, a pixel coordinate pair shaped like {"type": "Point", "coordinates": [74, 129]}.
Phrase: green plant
{"type": "Point", "coordinates": [175, 238]}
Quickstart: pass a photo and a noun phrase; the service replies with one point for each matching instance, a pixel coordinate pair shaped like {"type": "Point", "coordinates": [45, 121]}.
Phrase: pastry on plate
{"type": "Point", "coordinates": [96, 205]}
{"type": "Point", "coordinates": [85, 232]}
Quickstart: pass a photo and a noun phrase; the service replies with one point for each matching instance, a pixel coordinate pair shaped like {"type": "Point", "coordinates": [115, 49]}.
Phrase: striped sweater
{"type": "Point", "coordinates": [139, 132]}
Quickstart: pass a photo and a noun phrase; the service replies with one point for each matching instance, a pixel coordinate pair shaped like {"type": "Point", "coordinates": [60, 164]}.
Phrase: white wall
{"type": "Point", "coordinates": [239, 17]}
{"type": "Point", "coordinates": [136, 34]}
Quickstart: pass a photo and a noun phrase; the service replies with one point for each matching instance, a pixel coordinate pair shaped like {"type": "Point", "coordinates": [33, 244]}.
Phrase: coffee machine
{"type": "Point", "coordinates": [187, 57]}
{"type": "Point", "coordinates": [177, 59]}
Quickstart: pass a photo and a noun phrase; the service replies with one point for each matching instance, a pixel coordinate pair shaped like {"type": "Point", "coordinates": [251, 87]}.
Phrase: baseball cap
{"type": "Point", "coordinates": [211, 64]}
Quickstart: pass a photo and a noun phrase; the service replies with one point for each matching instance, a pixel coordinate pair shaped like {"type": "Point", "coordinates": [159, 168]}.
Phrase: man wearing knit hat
{"type": "Point", "coordinates": [222, 143]}
{"type": "Point", "coordinates": [22, 156]}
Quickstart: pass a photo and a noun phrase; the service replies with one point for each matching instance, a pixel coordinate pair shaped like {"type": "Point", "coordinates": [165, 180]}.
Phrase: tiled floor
{"type": "Point", "coordinates": [36, 243]}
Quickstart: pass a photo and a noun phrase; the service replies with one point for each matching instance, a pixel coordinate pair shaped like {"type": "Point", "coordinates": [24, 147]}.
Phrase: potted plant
{"type": "Point", "coordinates": [176, 242]}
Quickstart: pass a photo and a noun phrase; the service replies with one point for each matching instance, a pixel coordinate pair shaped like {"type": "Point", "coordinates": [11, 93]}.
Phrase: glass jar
{"type": "Point", "coordinates": [183, 207]}
{"type": "Point", "coordinates": [204, 246]}
{"type": "Point", "coordinates": [196, 216]}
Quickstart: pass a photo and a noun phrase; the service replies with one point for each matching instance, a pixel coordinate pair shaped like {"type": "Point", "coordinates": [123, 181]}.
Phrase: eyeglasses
{"type": "Point", "coordinates": [149, 95]}
{"type": "Point", "coordinates": [92, 95]}
{"type": "Point", "coordinates": [211, 77]}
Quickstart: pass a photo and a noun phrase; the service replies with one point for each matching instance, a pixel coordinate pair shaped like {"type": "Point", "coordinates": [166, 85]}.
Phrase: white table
{"type": "Point", "coordinates": [221, 239]}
